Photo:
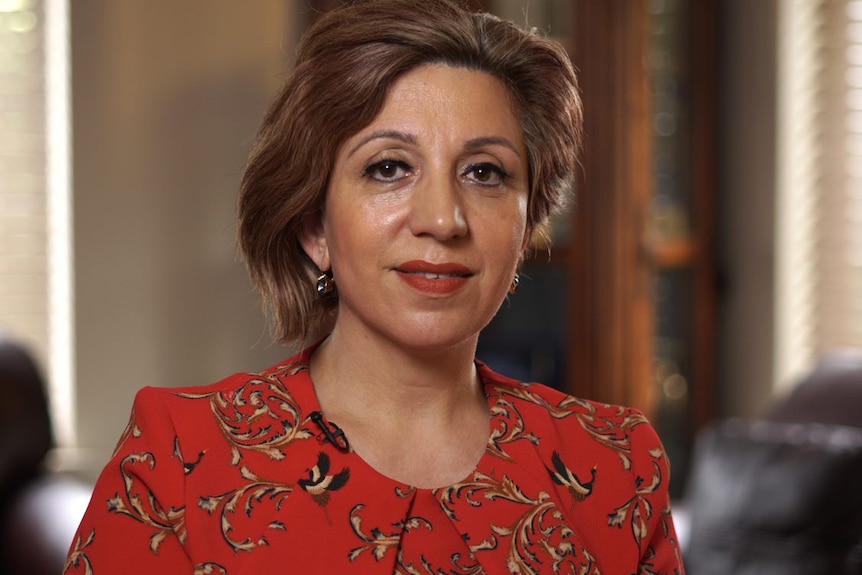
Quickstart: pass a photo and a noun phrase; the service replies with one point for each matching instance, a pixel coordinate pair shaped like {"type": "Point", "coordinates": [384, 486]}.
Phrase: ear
{"type": "Point", "coordinates": [312, 238]}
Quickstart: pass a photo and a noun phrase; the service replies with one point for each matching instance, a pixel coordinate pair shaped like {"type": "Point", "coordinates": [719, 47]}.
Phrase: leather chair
{"type": "Point", "coordinates": [831, 393]}
{"type": "Point", "coordinates": [39, 511]}
{"type": "Point", "coordinates": [783, 495]}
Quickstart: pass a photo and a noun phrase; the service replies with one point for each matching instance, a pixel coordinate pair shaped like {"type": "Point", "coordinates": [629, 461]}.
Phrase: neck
{"type": "Point", "coordinates": [420, 418]}
{"type": "Point", "coordinates": [355, 376]}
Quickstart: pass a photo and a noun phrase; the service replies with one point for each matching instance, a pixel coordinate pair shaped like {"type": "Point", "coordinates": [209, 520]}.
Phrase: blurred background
{"type": "Point", "coordinates": [713, 258]}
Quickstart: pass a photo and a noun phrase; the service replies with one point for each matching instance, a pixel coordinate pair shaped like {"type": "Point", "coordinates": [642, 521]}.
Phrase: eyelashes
{"type": "Point", "coordinates": [390, 171]}
{"type": "Point", "coordinates": [387, 171]}
{"type": "Point", "coordinates": [487, 174]}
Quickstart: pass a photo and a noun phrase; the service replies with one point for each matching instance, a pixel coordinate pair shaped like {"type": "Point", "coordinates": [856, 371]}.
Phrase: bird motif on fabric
{"type": "Point", "coordinates": [188, 466]}
{"type": "Point", "coordinates": [320, 484]}
{"type": "Point", "coordinates": [564, 476]}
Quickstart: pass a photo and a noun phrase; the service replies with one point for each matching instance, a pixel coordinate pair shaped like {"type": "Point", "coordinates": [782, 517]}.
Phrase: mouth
{"type": "Point", "coordinates": [434, 279]}
{"type": "Point", "coordinates": [433, 270]}
{"type": "Point", "coordinates": [433, 276]}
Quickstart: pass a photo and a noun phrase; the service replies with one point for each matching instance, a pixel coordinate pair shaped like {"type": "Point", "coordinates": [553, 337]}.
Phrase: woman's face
{"type": "Point", "coordinates": [425, 216]}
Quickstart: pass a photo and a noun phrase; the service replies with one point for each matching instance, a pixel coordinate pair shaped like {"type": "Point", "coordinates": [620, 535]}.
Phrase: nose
{"type": "Point", "coordinates": [436, 209]}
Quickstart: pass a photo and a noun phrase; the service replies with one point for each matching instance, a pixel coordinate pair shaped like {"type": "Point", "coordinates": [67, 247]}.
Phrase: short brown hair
{"type": "Point", "coordinates": [345, 64]}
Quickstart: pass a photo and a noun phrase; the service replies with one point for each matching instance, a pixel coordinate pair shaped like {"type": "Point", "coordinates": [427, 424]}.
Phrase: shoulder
{"type": "Point", "coordinates": [276, 379]}
{"type": "Point", "coordinates": [235, 402]}
{"type": "Point", "coordinates": [543, 401]}
{"type": "Point", "coordinates": [571, 424]}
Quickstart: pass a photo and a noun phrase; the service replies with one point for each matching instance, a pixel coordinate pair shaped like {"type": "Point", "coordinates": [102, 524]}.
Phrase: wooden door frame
{"type": "Point", "coordinates": [611, 315]}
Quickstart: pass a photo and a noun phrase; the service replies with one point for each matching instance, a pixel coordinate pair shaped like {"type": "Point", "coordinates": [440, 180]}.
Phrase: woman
{"type": "Point", "coordinates": [395, 186]}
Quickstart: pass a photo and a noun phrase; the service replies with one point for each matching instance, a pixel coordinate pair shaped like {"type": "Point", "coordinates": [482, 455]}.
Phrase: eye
{"type": "Point", "coordinates": [486, 174]}
{"type": "Point", "coordinates": [387, 170]}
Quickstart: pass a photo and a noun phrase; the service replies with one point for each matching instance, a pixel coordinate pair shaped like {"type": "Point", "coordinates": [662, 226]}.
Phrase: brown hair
{"type": "Point", "coordinates": [345, 64]}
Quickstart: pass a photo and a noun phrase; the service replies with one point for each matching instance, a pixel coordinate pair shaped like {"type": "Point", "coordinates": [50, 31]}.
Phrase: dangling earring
{"type": "Point", "coordinates": [515, 282]}
{"type": "Point", "coordinates": [325, 285]}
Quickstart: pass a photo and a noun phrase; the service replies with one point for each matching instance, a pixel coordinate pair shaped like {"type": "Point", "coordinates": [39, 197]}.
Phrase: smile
{"type": "Point", "coordinates": [432, 278]}
{"type": "Point", "coordinates": [434, 270]}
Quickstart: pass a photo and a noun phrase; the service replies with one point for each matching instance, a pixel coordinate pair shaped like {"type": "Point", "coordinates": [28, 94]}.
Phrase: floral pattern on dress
{"type": "Point", "coordinates": [77, 561]}
{"type": "Point", "coordinates": [613, 432]}
{"type": "Point", "coordinates": [243, 502]}
{"type": "Point", "coordinates": [209, 569]}
{"type": "Point", "coordinates": [236, 478]}
{"type": "Point", "coordinates": [139, 502]}
{"type": "Point", "coordinates": [379, 542]}
{"type": "Point", "coordinates": [540, 527]}
{"type": "Point", "coordinates": [260, 415]}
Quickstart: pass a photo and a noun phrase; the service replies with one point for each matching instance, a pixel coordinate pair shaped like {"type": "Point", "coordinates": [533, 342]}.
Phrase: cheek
{"type": "Point", "coordinates": [356, 230]}
{"type": "Point", "coordinates": [508, 237]}
{"type": "Point", "coordinates": [519, 224]}
{"type": "Point", "coordinates": [382, 212]}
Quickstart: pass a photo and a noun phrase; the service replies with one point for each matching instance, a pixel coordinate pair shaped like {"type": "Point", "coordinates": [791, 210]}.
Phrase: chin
{"type": "Point", "coordinates": [426, 340]}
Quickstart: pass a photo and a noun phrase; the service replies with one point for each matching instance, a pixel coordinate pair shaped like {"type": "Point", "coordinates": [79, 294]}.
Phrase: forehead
{"type": "Point", "coordinates": [450, 99]}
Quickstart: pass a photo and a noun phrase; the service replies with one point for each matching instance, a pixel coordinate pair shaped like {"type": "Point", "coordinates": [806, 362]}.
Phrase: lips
{"type": "Point", "coordinates": [434, 278]}
{"type": "Point", "coordinates": [432, 269]}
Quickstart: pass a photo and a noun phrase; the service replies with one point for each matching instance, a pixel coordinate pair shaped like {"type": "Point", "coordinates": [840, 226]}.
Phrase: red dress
{"type": "Point", "coordinates": [240, 478]}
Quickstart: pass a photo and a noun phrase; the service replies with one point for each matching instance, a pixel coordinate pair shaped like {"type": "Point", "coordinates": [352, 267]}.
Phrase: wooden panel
{"type": "Point", "coordinates": [612, 317]}
{"type": "Point", "coordinates": [703, 64]}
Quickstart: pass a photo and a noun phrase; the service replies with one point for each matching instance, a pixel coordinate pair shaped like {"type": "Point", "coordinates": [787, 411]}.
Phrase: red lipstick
{"type": "Point", "coordinates": [438, 279]}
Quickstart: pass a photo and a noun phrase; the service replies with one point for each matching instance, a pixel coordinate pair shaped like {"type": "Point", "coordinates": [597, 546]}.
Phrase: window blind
{"type": "Point", "coordinates": [819, 196]}
{"type": "Point", "coordinates": [840, 242]}
{"type": "Point", "coordinates": [23, 200]}
{"type": "Point", "coordinates": [35, 220]}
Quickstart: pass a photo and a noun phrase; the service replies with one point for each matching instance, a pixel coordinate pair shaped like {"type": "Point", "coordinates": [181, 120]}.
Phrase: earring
{"type": "Point", "coordinates": [325, 285]}
{"type": "Point", "coordinates": [515, 282]}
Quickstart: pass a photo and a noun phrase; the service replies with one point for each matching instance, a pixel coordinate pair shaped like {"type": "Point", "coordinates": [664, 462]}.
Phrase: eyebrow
{"type": "Point", "coordinates": [384, 134]}
{"type": "Point", "coordinates": [476, 143]}
{"type": "Point", "coordinates": [471, 145]}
